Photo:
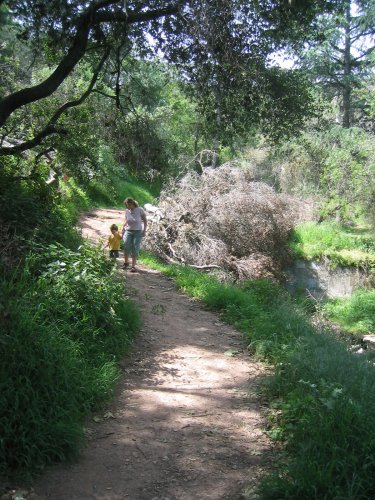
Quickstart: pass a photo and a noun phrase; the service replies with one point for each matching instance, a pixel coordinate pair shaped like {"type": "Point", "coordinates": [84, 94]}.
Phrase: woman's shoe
{"type": "Point", "coordinates": [125, 265]}
{"type": "Point", "coordinates": [133, 270]}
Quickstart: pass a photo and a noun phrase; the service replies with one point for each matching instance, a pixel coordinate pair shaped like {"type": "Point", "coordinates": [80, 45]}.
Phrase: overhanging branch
{"type": "Point", "coordinates": [52, 127]}
{"type": "Point", "coordinates": [90, 18]}
{"type": "Point", "coordinates": [35, 141]}
{"type": "Point", "coordinates": [14, 101]}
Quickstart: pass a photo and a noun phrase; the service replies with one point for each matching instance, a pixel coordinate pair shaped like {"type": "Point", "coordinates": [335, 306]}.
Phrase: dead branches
{"type": "Point", "coordinates": [222, 219]}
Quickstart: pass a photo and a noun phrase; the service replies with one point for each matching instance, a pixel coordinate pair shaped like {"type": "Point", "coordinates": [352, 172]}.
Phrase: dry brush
{"type": "Point", "coordinates": [223, 218]}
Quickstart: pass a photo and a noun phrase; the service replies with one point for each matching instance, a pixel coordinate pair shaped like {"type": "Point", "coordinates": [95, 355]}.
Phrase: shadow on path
{"type": "Point", "coordinates": [185, 423]}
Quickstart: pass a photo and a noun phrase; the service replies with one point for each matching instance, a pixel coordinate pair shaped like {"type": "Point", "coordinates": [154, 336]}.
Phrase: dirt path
{"type": "Point", "coordinates": [185, 424]}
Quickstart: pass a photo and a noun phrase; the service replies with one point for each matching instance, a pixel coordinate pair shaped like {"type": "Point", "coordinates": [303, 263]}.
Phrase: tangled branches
{"type": "Point", "coordinates": [223, 218]}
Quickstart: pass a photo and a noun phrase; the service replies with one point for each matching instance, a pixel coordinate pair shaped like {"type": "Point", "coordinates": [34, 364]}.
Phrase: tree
{"type": "Point", "coordinates": [342, 61]}
{"type": "Point", "coordinates": [236, 35]}
{"type": "Point", "coordinates": [156, 124]}
{"type": "Point", "coordinates": [335, 165]}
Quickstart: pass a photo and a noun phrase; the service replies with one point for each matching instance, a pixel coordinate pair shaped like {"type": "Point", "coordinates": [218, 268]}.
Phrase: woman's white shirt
{"type": "Point", "coordinates": [134, 218]}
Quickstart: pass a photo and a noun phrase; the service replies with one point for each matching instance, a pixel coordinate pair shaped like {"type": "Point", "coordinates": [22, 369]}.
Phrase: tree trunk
{"type": "Point", "coordinates": [216, 141]}
{"type": "Point", "coordinates": [347, 90]}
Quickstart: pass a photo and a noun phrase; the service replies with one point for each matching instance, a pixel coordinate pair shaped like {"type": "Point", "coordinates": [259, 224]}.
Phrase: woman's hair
{"type": "Point", "coordinates": [115, 227]}
{"type": "Point", "coordinates": [131, 201]}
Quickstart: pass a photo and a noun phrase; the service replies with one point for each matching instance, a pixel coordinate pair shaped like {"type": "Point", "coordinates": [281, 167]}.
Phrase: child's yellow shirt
{"type": "Point", "coordinates": [114, 241]}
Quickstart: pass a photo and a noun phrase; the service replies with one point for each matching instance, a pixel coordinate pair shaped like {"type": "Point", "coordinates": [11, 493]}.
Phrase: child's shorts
{"type": "Point", "coordinates": [115, 254]}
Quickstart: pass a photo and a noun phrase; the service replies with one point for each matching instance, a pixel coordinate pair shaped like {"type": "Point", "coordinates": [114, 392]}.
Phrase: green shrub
{"type": "Point", "coordinates": [33, 212]}
{"type": "Point", "coordinates": [355, 314]}
{"type": "Point", "coordinates": [101, 194]}
{"type": "Point", "coordinates": [336, 164]}
{"type": "Point", "coordinates": [64, 325]}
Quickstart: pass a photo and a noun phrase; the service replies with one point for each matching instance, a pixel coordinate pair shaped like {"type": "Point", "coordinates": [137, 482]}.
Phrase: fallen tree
{"type": "Point", "coordinates": [223, 219]}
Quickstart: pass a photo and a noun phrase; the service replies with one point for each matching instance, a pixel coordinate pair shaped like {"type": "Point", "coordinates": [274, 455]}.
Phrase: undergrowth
{"type": "Point", "coordinates": [321, 395]}
{"type": "Point", "coordinates": [355, 314]}
{"type": "Point", "coordinates": [65, 321]}
{"type": "Point", "coordinates": [344, 246]}
{"type": "Point", "coordinates": [64, 325]}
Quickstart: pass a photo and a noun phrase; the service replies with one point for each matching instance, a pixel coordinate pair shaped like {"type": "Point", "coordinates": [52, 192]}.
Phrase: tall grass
{"type": "Point", "coordinates": [322, 395]}
{"type": "Point", "coordinates": [355, 314]}
{"type": "Point", "coordinates": [64, 324]}
{"type": "Point", "coordinates": [141, 191]}
{"type": "Point", "coordinates": [343, 245]}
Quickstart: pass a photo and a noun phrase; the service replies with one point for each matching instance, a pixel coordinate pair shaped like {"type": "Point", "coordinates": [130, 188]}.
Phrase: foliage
{"type": "Point", "coordinates": [13, 72]}
{"type": "Point", "coordinates": [233, 82]}
{"type": "Point", "coordinates": [74, 199]}
{"type": "Point", "coordinates": [64, 324]}
{"type": "Point", "coordinates": [64, 318]}
{"type": "Point", "coordinates": [366, 96]}
{"type": "Point", "coordinates": [322, 395]}
{"type": "Point", "coordinates": [341, 62]}
{"type": "Point", "coordinates": [110, 185]}
{"type": "Point", "coordinates": [156, 124]}
{"type": "Point", "coordinates": [336, 164]}
{"type": "Point", "coordinates": [138, 190]}
{"type": "Point", "coordinates": [343, 245]}
{"type": "Point", "coordinates": [31, 211]}
{"type": "Point", "coordinates": [219, 45]}
{"type": "Point", "coordinates": [355, 314]}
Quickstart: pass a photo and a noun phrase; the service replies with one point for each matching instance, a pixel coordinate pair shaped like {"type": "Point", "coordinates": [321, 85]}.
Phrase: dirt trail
{"type": "Point", "coordinates": [185, 424]}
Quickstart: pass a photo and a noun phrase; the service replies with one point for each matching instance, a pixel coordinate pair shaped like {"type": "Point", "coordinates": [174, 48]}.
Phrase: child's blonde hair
{"type": "Point", "coordinates": [114, 227]}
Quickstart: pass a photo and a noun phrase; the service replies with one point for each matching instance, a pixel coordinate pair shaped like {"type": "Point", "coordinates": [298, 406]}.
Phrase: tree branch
{"type": "Point", "coordinates": [138, 17]}
{"type": "Point", "coordinates": [51, 127]}
{"type": "Point", "coordinates": [91, 17]}
{"type": "Point", "coordinates": [84, 96]}
{"type": "Point", "coordinates": [104, 94]}
{"type": "Point", "coordinates": [37, 139]}
{"type": "Point", "coordinates": [337, 48]}
{"type": "Point", "coordinates": [364, 54]}
{"type": "Point", "coordinates": [31, 94]}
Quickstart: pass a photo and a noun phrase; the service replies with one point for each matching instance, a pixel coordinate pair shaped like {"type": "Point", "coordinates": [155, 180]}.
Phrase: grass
{"type": "Point", "coordinates": [64, 325]}
{"type": "Point", "coordinates": [321, 395]}
{"type": "Point", "coordinates": [65, 322]}
{"type": "Point", "coordinates": [106, 195]}
{"type": "Point", "coordinates": [355, 314]}
{"type": "Point", "coordinates": [345, 246]}
{"type": "Point", "coordinates": [143, 192]}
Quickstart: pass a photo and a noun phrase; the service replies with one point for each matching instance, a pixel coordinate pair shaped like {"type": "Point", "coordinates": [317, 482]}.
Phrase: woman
{"type": "Point", "coordinates": [133, 231]}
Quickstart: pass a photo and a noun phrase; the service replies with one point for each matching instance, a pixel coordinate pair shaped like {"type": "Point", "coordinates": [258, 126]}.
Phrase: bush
{"type": "Point", "coordinates": [64, 324]}
{"type": "Point", "coordinates": [337, 165]}
{"type": "Point", "coordinates": [33, 212]}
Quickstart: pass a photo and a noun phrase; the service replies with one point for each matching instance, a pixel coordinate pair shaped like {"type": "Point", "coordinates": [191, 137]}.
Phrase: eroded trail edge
{"type": "Point", "coordinates": [185, 423]}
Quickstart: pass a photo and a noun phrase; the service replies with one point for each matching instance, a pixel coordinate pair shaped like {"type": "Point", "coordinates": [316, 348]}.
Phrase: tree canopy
{"type": "Point", "coordinates": [221, 47]}
{"type": "Point", "coordinates": [342, 62]}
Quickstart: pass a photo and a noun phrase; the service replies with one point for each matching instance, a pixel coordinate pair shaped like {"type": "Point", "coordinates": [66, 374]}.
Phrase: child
{"type": "Point", "coordinates": [114, 242]}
